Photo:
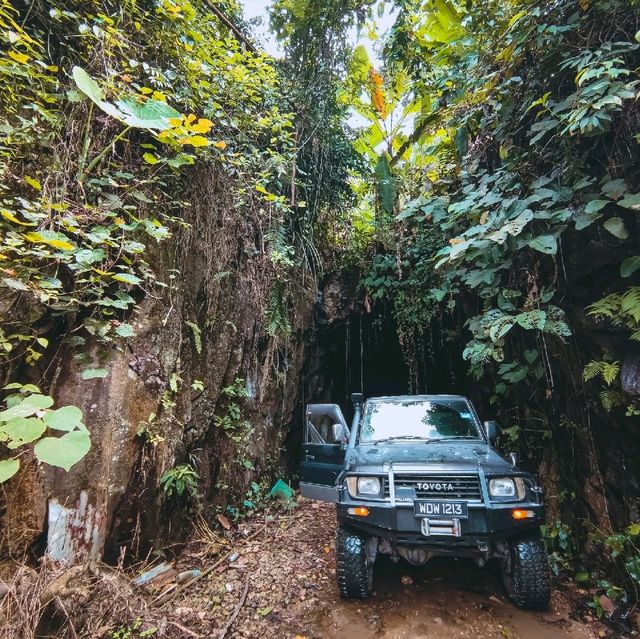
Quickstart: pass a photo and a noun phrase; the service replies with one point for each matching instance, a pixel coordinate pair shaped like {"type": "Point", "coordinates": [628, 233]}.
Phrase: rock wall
{"type": "Point", "coordinates": [207, 324]}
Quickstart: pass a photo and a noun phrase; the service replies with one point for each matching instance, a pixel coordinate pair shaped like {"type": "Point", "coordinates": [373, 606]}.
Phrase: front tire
{"type": "Point", "coordinates": [355, 556]}
{"type": "Point", "coordinates": [526, 576]}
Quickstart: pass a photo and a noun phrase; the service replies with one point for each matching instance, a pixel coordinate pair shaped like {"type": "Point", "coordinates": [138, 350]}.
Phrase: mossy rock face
{"type": "Point", "coordinates": [23, 508]}
{"type": "Point", "coordinates": [630, 375]}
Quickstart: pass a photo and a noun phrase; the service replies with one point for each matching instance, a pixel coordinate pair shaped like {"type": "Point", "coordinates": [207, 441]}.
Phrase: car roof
{"type": "Point", "coordinates": [424, 398]}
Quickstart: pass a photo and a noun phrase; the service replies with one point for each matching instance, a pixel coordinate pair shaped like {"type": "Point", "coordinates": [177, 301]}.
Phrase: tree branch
{"type": "Point", "coordinates": [232, 27]}
{"type": "Point", "coordinates": [412, 138]}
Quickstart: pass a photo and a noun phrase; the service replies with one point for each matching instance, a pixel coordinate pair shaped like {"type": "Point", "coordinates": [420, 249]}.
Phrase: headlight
{"type": "Point", "coordinates": [360, 486]}
{"type": "Point", "coordinates": [368, 486]}
{"type": "Point", "coordinates": [507, 487]}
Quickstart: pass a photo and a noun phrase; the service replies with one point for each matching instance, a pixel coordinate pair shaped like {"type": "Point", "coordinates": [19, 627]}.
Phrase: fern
{"type": "Point", "coordinates": [608, 306]}
{"type": "Point", "coordinates": [610, 372]}
{"type": "Point", "coordinates": [621, 308]}
{"type": "Point", "coordinates": [276, 313]}
{"type": "Point", "coordinates": [630, 303]}
{"type": "Point", "coordinates": [281, 253]}
{"type": "Point", "coordinates": [610, 399]}
{"type": "Point", "coordinates": [591, 370]}
{"type": "Point", "coordinates": [607, 370]}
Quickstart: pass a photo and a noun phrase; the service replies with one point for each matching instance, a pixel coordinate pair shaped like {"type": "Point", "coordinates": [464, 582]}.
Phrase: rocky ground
{"type": "Point", "coordinates": [274, 576]}
{"type": "Point", "coordinates": [280, 582]}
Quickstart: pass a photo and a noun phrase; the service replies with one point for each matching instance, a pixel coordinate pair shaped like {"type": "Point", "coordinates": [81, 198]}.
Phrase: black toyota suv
{"type": "Point", "coordinates": [417, 476]}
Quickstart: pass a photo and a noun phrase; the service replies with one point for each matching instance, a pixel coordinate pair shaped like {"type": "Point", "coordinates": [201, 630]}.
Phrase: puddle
{"type": "Point", "coordinates": [447, 599]}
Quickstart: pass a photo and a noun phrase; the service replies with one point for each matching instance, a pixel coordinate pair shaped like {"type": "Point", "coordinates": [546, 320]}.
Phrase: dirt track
{"type": "Point", "coordinates": [291, 593]}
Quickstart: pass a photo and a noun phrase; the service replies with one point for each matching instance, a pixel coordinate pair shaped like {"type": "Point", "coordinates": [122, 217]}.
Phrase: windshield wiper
{"type": "Point", "coordinates": [399, 437]}
{"type": "Point", "coordinates": [422, 439]}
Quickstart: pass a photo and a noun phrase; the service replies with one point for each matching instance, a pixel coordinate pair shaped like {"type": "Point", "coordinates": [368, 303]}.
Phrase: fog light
{"type": "Point", "coordinates": [360, 511]}
{"type": "Point", "coordinates": [522, 514]}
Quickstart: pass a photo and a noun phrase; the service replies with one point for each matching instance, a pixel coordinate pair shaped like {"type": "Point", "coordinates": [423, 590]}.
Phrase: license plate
{"type": "Point", "coordinates": [443, 509]}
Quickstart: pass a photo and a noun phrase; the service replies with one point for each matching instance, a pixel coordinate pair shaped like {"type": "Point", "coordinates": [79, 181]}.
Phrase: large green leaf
{"type": "Point", "coordinates": [129, 278]}
{"type": "Point", "coordinates": [148, 114]}
{"type": "Point", "coordinates": [87, 85]}
{"type": "Point", "coordinates": [151, 114]}
{"type": "Point", "coordinates": [545, 244]}
{"type": "Point", "coordinates": [63, 451]}
{"type": "Point", "coordinates": [594, 206]}
{"type": "Point", "coordinates": [8, 468]}
{"type": "Point", "coordinates": [21, 430]}
{"type": "Point", "coordinates": [92, 90]}
{"type": "Point", "coordinates": [93, 373]}
{"type": "Point", "coordinates": [513, 227]}
{"type": "Point", "coordinates": [615, 226]}
{"type": "Point", "coordinates": [88, 256]}
{"type": "Point", "coordinates": [65, 418]}
{"type": "Point", "coordinates": [584, 219]}
{"type": "Point", "coordinates": [532, 319]}
{"type": "Point", "coordinates": [631, 201]}
{"type": "Point", "coordinates": [615, 189]}
{"type": "Point", "coordinates": [630, 266]}
{"type": "Point", "coordinates": [52, 238]}
{"type": "Point", "coordinates": [501, 327]}
{"type": "Point", "coordinates": [386, 188]}
{"type": "Point", "coordinates": [27, 407]}
{"type": "Point", "coordinates": [125, 330]}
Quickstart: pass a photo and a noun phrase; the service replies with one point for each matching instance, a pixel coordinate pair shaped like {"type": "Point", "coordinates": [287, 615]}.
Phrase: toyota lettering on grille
{"type": "Point", "coordinates": [435, 486]}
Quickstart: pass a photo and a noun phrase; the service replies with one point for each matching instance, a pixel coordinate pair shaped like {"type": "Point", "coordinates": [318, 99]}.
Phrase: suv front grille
{"type": "Point", "coordinates": [465, 487]}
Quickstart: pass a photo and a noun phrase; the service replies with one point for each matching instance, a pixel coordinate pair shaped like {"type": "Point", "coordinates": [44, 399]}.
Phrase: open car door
{"type": "Point", "coordinates": [325, 442]}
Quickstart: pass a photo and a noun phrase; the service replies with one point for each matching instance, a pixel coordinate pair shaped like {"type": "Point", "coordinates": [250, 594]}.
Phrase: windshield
{"type": "Point", "coordinates": [419, 419]}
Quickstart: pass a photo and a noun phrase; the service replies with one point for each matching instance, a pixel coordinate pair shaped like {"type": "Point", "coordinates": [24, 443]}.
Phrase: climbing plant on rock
{"type": "Point", "coordinates": [105, 113]}
{"type": "Point", "coordinates": [513, 233]}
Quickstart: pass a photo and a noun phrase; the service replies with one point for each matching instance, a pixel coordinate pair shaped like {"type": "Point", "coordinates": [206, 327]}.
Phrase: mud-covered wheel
{"type": "Point", "coordinates": [355, 556]}
{"type": "Point", "coordinates": [526, 574]}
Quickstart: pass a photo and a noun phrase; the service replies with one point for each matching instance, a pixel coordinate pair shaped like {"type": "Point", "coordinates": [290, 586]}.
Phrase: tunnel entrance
{"type": "Point", "coordinates": [363, 353]}
{"type": "Point", "coordinates": [357, 349]}
{"type": "Point", "coordinates": [360, 354]}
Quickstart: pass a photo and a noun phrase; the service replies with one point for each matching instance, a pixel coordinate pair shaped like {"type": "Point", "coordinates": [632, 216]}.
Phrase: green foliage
{"type": "Point", "coordinates": [610, 398]}
{"type": "Point", "coordinates": [623, 547]}
{"type": "Point", "coordinates": [133, 631]}
{"type": "Point", "coordinates": [236, 428]}
{"type": "Point", "coordinates": [277, 314]}
{"type": "Point", "coordinates": [561, 548]}
{"type": "Point", "coordinates": [148, 432]}
{"type": "Point", "coordinates": [608, 371]}
{"type": "Point", "coordinates": [94, 157]}
{"type": "Point", "coordinates": [515, 145]}
{"type": "Point", "coordinates": [27, 418]}
{"type": "Point", "coordinates": [180, 481]}
{"type": "Point", "coordinates": [615, 594]}
{"type": "Point", "coordinates": [620, 309]}
{"type": "Point", "coordinates": [315, 36]}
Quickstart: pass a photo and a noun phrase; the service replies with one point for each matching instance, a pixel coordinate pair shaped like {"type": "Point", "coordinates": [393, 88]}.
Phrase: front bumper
{"type": "Point", "coordinates": [488, 524]}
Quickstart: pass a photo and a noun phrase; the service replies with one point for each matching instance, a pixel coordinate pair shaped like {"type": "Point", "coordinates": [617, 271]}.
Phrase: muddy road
{"type": "Point", "coordinates": [446, 598]}
{"type": "Point", "coordinates": [282, 585]}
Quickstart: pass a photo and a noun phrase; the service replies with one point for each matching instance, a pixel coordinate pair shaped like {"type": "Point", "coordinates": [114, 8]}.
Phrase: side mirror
{"type": "Point", "coordinates": [513, 458]}
{"type": "Point", "coordinates": [491, 430]}
{"type": "Point", "coordinates": [340, 433]}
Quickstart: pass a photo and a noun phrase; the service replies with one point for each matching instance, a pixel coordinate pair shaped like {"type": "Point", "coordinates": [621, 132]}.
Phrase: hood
{"type": "Point", "coordinates": [451, 456]}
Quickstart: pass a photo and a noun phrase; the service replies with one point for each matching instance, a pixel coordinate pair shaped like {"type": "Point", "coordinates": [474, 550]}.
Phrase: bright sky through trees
{"type": "Point", "coordinates": [256, 9]}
